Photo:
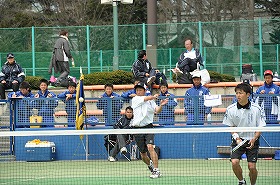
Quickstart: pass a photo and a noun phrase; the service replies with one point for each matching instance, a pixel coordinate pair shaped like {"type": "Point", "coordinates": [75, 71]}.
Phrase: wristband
{"type": "Point", "coordinates": [235, 136]}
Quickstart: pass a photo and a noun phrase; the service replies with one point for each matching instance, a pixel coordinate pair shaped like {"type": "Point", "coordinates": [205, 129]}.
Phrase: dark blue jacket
{"type": "Point", "coordinates": [70, 105]}
{"type": "Point", "coordinates": [268, 99]}
{"type": "Point", "coordinates": [117, 104]}
{"type": "Point", "coordinates": [166, 116]}
{"type": "Point", "coordinates": [12, 72]}
{"type": "Point", "coordinates": [47, 103]}
{"type": "Point", "coordinates": [196, 93]}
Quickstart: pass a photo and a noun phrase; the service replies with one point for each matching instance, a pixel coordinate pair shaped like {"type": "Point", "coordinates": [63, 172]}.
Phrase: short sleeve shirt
{"type": "Point", "coordinates": [143, 111]}
{"type": "Point", "coordinates": [251, 117]}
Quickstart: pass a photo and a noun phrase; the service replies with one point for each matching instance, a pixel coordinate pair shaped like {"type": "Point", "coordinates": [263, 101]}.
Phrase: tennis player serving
{"type": "Point", "coordinates": [244, 113]}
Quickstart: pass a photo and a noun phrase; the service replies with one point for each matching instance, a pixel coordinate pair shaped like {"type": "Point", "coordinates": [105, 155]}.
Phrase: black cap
{"type": "Point", "coordinates": [140, 84]}
{"type": "Point", "coordinates": [10, 55]}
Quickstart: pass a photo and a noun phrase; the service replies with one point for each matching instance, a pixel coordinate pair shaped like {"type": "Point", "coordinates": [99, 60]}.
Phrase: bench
{"type": "Point", "coordinates": [264, 151]}
{"type": "Point", "coordinates": [100, 112]}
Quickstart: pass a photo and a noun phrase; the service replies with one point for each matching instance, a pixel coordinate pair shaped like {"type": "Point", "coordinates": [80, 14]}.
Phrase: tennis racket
{"type": "Point", "coordinates": [239, 145]}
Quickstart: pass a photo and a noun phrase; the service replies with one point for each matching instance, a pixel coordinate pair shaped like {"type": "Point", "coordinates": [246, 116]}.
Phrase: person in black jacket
{"type": "Point", "coordinates": [142, 69]}
{"type": "Point", "coordinates": [122, 123]}
{"type": "Point", "coordinates": [11, 75]}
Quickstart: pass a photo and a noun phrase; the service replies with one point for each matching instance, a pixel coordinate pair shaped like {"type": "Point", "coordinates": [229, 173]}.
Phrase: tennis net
{"type": "Point", "coordinates": [187, 155]}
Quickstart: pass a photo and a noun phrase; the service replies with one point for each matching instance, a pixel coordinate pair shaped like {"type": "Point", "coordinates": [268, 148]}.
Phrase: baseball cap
{"type": "Point", "coordinates": [10, 55]}
{"type": "Point", "coordinates": [141, 85]}
{"type": "Point", "coordinates": [196, 75]}
{"type": "Point", "coordinates": [268, 72]}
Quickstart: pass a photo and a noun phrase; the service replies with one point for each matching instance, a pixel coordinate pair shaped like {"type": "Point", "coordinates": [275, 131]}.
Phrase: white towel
{"type": "Point", "coordinates": [212, 100]}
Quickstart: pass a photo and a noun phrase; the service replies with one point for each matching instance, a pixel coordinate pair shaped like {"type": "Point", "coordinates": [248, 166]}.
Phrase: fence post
{"type": "Point", "coordinates": [277, 57]}
{"type": "Point", "coordinates": [170, 64]}
{"type": "Point", "coordinates": [200, 36]}
{"type": "Point", "coordinates": [33, 49]}
{"type": "Point", "coordinates": [240, 60]}
{"type": "Point", "coordinates": [144, 36]}
{"type": "Point", "coordinates": [101, 61]}
{"type": "Point", "coordinates": [88, 49]}
{"type": "Point", "coordinates": [260, 47]}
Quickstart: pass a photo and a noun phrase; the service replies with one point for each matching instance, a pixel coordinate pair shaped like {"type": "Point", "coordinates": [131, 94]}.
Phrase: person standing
{"type": "Point", "coordinates": [244, 113]}
{"type": "Point", "coordinates": [61, 56]}
{"type": "Point", "coordinates": [142, 69]}
{"type": "Point", "coordinates": [269, 88]}
{"type": "Point", "coordinates": [46, 103]}
{"type": "Point", "coordinates": [188, 61]}
{"type": "Point", "coordinates": [166, 116]}
{"type": "Point", "coordinates": [11, 75]}
{"type": "Point", "coordinates": [69, 98]}
{"type": "Point", "coordinates": [110, 102]}
{"type": "Point", "coordinates": [144, 108]}
{"type": "Point", "coordinates": [194, 101]}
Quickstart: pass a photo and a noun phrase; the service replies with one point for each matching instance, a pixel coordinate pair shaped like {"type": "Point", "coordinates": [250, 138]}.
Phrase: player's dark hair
{"type": "Point", "coordinates": [163, 84]}
{"type": "Point", "coordinates": [129, 108]}
{"type": "Point", "coordinates": [245, 87]}
{"type": "Point", "coordinates": [72, 84]}
{"type": "Point", "coordinates": [44, 81]}
{"type": "Point", "coordinates": [109, 85]}
{"type": "Point", "coordinates": [141, 54]}
{"type": "Point", "coordinates": [24, 85]}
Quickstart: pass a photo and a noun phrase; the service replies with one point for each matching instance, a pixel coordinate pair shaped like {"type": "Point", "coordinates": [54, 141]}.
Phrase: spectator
{"type": "Point", "coordinates": [160, 77]}
{"type": "Point", "coordinates": [189, 61]}
{"type": "Point", "coordinates": [46, 104]}
{"type": "Point", "coordinates": [114, 106]}
{"type": "Point", "coordinates": [144, 108]}
{"type": "Point", "coordinates": [24, 106]}
{"type": "Point", "coordinates": [61, 56]}
{"type": "Point", "coordinates": [11, 75]}
{"type": "Point", "coordinates": [142, 69]}
{"type": "Point", "coordinates": [244, 113]}
{"type": "Point", "coordinates": [166, 116]}
{"type": "Point", "coordinates": [194, 101]}
{"type": "Point", "coordinates": [267, 101]}
{"type": "Point", "coordinates": [69, 98]}
{"type": "Point", "coordinates": [128, 95]}
{"type": "Point", "coordinates": [122, 123]}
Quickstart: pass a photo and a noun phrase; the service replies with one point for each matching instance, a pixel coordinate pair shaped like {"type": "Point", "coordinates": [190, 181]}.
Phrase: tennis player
{"type": "Point", "coordinates": [144, 108]}
{"type": "Point", "coordinates": [244, 113]}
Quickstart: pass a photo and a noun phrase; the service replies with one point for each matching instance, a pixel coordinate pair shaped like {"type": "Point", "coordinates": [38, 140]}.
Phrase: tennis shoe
{"type": "Point", "coordinates": [151, 166]}
{"type": "Point", "coordinates": [155, 174]}
{"type": "Point", "coordinates": [123, 150]}
{"type": "Point", "coordinates": [151, 80]}
{"type": "Point", "coordinates": [242, 183]}
{"type": "Point", "coordinates": [111, 159]}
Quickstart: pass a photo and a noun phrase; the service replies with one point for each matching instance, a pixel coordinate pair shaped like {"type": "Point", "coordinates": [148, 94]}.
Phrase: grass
{"type": "Point", "coordinates": [100, 172]}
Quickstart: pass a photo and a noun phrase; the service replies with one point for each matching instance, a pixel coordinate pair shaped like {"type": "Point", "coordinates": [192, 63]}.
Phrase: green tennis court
{"type": "Point", "coordinates": [102, 172]}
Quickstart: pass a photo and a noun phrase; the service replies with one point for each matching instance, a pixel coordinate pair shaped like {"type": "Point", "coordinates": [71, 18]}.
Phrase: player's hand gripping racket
{"type": "Point", "coordinates": [239, 145]}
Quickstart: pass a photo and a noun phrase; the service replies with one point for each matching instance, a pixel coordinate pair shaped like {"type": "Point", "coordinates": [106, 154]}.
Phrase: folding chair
{"type": "Point", "coordinates": [111, 141]}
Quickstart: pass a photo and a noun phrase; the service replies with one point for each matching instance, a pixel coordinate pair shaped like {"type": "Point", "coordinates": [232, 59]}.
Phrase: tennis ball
{"type": "Point", "coordinates": [81, 99]}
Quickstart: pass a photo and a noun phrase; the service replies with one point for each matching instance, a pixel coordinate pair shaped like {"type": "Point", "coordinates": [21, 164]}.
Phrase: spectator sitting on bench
{"type": "Point", "coordinates": [123, 123]}
{"type": "Point", "coordinates": [11, 75]}
{"type": "Point", "coordinates": [69, 98]}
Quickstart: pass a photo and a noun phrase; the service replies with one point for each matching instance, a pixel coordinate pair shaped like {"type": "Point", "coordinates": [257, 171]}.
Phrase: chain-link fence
{"type": "Point", "coordinates": [225, 46]}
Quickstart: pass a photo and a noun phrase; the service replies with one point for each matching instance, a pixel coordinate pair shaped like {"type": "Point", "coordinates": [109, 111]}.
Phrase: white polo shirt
{"type": "Point", "coordinates": [143, 111]}
{"type": "Point", "coordinates": [253, 116]}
